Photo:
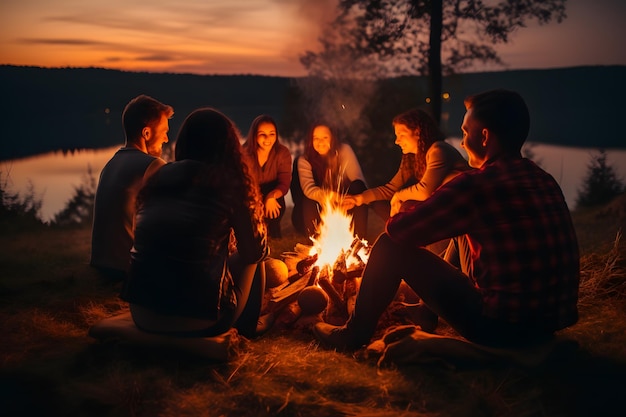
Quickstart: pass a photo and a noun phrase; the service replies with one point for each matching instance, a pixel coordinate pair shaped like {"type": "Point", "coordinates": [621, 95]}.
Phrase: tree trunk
{"type": "Point", "coordinates": [434, 58]}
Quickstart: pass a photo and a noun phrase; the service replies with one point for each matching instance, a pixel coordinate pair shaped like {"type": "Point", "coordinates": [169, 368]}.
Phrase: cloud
{"type": "Point", "coordinates": [266, 34]}
{"type": "Point", "coordinates": [156, 58]}
{"type": "Point", "coordinates": [68, 42]}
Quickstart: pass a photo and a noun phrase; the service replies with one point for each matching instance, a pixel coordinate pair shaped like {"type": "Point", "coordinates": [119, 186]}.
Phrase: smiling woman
{"type": "Point", "coordinates": [269, 162]}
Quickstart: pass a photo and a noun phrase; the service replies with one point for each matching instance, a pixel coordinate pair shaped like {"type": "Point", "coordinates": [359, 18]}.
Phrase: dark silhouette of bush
{"type": "Point", "coordinates": [601, 184]}
{"type": "Point", "coordinates": [79, 208]}
{"type": "Point", "coordinates": [17, 211]}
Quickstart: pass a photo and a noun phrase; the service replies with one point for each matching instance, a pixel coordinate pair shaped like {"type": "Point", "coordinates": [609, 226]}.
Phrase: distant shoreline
{"type": "Point", "coordinates": [528, 143]}
{"type": "Point", "coordinates": [47, 109]}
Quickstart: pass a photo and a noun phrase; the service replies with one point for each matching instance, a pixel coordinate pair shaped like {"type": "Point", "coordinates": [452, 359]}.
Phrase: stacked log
{"type": "Point", "coordinates": [339, 282]}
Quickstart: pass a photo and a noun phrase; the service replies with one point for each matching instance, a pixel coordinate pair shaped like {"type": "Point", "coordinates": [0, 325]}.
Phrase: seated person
{"type": "Point", "coordinates": [327, 169]}
{"type": "Point", "coordinates": [427, 162]}
{"type": "Point", "coordinates": [200, 238]}
{"type": "Point", "coordinates": [512, 235]}
{"type": "Point", "coordinates": [269, 162]}
{"type": "Point", "coordinates": [146, 125]}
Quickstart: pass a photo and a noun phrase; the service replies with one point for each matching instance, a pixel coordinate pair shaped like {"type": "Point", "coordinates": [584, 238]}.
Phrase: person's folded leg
{"type": "Point", "coordinates": [443, 288]}
{"type": "Point", "coordinates": [249, 283]}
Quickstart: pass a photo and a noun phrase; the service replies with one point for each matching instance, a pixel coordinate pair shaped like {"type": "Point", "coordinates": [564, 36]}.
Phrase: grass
{"type": "Point", "coordinates": [49, 297]}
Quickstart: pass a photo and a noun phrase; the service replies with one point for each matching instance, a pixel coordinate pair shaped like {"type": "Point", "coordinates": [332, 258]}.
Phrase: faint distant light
{"type": "Point", "coordinates": [446, 96]}
{"type": "Point", "coordinates": [343, 106]}
{"type": "Point", "coordinates": [427, 99]}
{"type": "Point", "coordinates": [107, 110]}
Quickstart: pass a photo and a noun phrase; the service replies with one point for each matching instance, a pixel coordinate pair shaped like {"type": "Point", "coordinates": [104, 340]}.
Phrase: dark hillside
{"type": "Point", "coordinates": [72, 108]}
{"type": "Point", "coordinates": [50, 109]}
{"type": "Point", "coordinates": [580, 106]}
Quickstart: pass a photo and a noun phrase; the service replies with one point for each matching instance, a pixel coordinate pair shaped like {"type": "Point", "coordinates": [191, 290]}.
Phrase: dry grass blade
{"type": "Point", "coordinates": [602, 275]}
{"type": "Point", "coordinates": [243, 360]}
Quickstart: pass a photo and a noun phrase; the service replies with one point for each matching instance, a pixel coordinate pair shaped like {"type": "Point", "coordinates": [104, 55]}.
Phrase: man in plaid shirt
{"type": "Point", "coordinates": [510, 276]}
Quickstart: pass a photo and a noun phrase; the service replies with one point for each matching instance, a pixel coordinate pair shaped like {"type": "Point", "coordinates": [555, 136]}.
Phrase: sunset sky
{"type": "Point", "coordinates": [254, 36]}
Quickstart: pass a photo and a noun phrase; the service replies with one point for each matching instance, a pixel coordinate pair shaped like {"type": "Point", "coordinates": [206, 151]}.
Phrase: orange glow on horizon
{"type": "Point", "coordinates": [242, 36]}
{"type": "Point", "coordinates": [254, 36]}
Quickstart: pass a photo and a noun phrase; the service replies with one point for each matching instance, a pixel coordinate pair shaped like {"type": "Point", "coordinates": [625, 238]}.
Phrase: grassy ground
{"type": "Point", "coordinates": [49, 298]}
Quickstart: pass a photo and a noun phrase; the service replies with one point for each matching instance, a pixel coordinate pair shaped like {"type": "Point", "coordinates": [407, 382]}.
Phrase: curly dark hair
{"type": "Point", "coordinates": [418, 120]}
{"type": "Point", "coordinates": [208, 136]}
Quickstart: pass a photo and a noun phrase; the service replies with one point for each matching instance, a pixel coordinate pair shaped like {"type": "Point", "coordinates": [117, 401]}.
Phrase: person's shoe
{"type": "Point", "coordinates": [335, 337]}
{"type": "Point", "coordinates": [265, 323]}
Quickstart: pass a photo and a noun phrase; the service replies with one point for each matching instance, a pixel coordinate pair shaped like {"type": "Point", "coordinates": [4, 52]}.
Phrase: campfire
{"type": "Point", "coordinates": [324, 277]}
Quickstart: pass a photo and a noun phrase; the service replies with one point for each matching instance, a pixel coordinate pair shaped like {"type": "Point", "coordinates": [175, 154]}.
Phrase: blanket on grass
{"type": "Point", "coordinates": [408, 344]}
{"type": "Point", "coordinates": [121, 328]}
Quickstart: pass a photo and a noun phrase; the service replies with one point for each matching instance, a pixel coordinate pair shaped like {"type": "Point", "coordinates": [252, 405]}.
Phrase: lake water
{"type": "Point", "coordinates": [55, 175]}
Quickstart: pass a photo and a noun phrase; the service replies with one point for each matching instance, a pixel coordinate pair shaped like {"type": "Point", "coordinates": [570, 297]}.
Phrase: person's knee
{"type": "Point", "coordinates": [385, 247]}
{"type": "Point", "coordinates": [391, 250]}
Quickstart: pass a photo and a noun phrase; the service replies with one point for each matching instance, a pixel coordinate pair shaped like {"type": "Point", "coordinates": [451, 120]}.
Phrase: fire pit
{"type": "Point", "coordinates": [334, 264]}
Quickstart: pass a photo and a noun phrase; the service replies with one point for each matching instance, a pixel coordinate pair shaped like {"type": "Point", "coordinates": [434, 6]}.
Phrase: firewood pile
{"type": "Point", "coordinates": [326, 292]}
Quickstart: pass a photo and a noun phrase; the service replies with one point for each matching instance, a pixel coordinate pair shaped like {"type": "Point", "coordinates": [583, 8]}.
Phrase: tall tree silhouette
{"type": "Point", "coordinates": [383, 38]}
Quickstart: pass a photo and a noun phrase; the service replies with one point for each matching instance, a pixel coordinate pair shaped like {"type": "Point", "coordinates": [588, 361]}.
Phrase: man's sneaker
{"type": "Point", "coordinates": [335, 337]}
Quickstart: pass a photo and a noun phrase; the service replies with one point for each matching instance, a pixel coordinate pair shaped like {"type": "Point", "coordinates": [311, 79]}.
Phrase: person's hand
{"type": "Point", "coordinates": [333, 198]}
{"type": "Point", "coordinates": [396, 203]}
{"type": "Point", "coordinates": [350, 201]}
{"type": "Point", "coordinates": [272, 208]}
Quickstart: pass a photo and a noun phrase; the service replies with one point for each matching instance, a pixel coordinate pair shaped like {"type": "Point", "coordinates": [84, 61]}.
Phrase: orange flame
{"type": "Point", "coordinates": [335, 238]}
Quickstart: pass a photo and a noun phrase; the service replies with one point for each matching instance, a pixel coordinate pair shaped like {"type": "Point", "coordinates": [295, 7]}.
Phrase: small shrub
{"type": "Point", "coordinates": [18, 212]}
{"type": "Point", "coordinates": [601, 184]}
{"type": "Point", "coordinates": [79, 209]}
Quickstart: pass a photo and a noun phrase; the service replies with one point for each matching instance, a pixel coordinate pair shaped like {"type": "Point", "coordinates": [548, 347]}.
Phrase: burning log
{"type": "Point", "coordinates": [350, 290]}
{"type": "Point", "coordinates": [306, 264]}
{"type": "Point", "coordinates": [288, 292]}
{"type": "Point", "coordinates": [340, 270]}
{"type": "Point", "coordinates": [354, 273]}
{"type": "Point", "coordinates": [313, 278]}
{"type": "Point", "coordinates": [355, 246]}
{"type": "Point", "coordinates": [353, 252]}
{"type": "Point", "coordinates": [303, 250]}
{"type": "Point", "coordinates": [335, 298]}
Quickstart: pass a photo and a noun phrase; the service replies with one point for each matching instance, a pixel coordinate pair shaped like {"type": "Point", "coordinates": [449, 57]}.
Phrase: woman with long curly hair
{"type": "Point", "coordinates": [200, 239]}
{"type": "Point", "coordinates": [269, 162]}
{"type": "Point", "coordinates": [427, 163]}
{"type": "Point", "coordinates": [328, 169]}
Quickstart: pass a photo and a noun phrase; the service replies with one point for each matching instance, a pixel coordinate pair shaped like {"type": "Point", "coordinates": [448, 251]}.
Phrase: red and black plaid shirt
{"type": "Point", "coordinates": [524, 250]}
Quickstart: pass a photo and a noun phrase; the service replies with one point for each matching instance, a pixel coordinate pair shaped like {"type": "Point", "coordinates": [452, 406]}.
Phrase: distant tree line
{"type": "Point", "coordinates": [72, 108]}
